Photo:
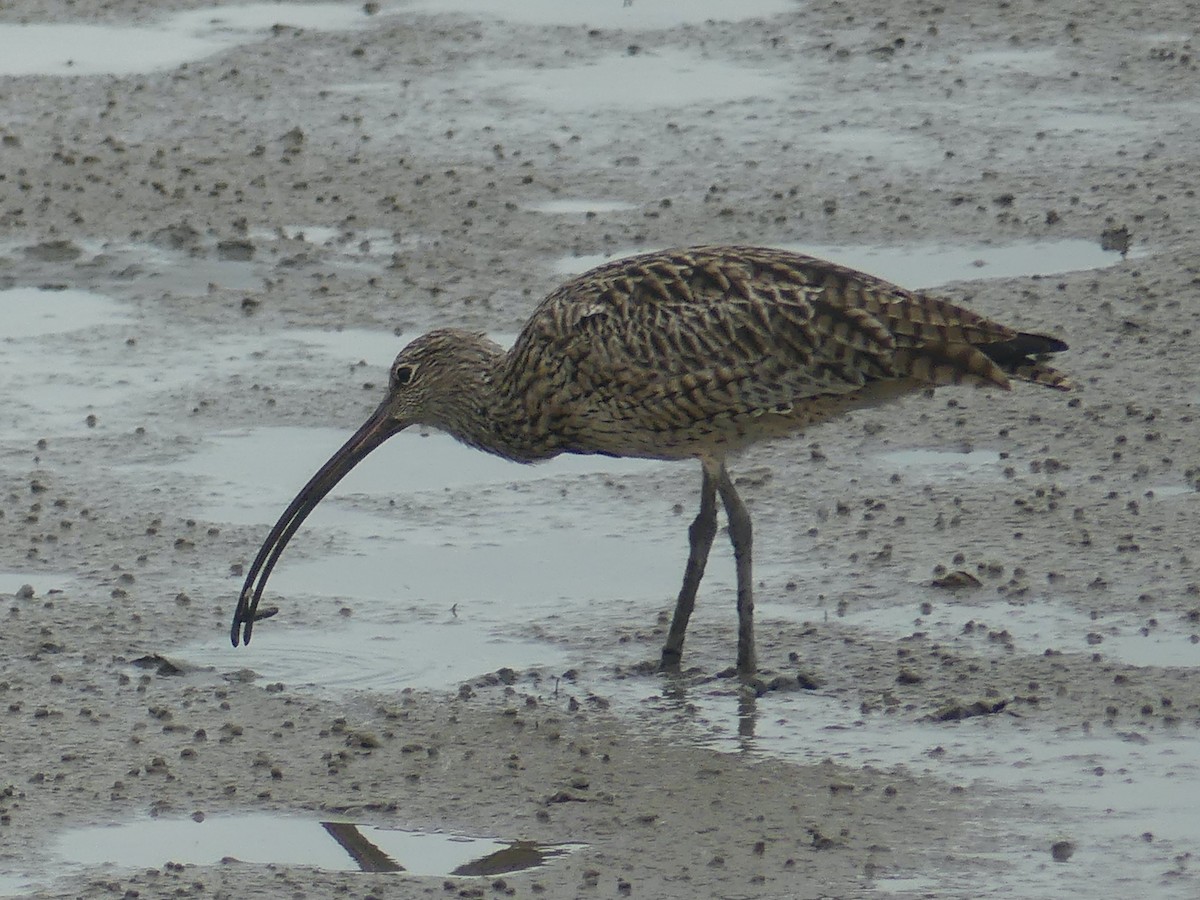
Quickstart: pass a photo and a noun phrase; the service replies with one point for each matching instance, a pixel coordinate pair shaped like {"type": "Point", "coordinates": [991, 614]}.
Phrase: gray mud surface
{"type": "Point", "coordinates": [1031, 736]}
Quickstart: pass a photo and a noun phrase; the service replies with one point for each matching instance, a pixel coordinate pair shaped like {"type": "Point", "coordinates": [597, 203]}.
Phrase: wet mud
{"type": "Point", "coordinates": [978, 612]}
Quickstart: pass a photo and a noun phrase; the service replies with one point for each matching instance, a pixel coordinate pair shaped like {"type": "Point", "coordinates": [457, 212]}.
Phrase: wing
{"type": "Point", "coordinates": [664, 342]}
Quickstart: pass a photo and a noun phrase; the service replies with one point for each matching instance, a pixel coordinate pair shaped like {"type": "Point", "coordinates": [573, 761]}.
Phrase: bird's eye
{"type": "Point", "coordinates": [402, 375]}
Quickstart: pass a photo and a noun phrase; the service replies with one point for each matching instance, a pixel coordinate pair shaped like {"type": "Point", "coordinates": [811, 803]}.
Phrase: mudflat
{"type": "Point", "coordinates": [978, 611]}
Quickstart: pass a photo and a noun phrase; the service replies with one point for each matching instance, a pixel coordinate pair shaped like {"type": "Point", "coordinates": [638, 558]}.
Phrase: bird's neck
{"type": "Point", "coordinates": [483, 413]}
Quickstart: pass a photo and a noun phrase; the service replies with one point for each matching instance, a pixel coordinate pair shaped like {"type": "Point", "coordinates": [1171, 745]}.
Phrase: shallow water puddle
{"type": "Point", "coordinates": [872, 143]}
{"type": "Point", "coordinates": [88, 49]}
{"type": "Point", "coordinates": [174, 270]}
{"type": "Point", "coordinates": [1104, 789]}
{"type": "Point", "coordinates": [67, 327]}
{"type": "Point", "coordinates": [1071, 120]}
{"type": "Point", "coordinates": [320, 235]}
{"type": "Point", "coordinates": [33, 312]}
{"type": "Point", "coordinates": [70, 49]}
{"type": "Point", "coordinates": [190, 274]}
{"type": "Point", "coordinates": [921, 267]}
{"type": "Point", "coordinates": [1173, 642]}
{"type": "Point", "coordinates": [249, 476]}
{"type": "Point", "coordinates": [1167, 491]}
{"type": "Point", "coordinates": [294, 841]}
{"type": "Point", "coordinates": [41, 582]}
{"type": "Point", "coordinates": [665, 78]}
{"type": "Point", "coordinates": [99, 371]}
{"type": "Point", "coordinates": [426, 615]}
{"type": "Point", "coordinates": [648, 14]}
{"type": "Point", "coordinates": [509, 565]}
{"type": "Point", "coordinates": [924, 266]}
{"type": "Point", "coordinates": [375, 653]}
{"type": "Point", "coordinates": [1037, 626]}
{"type": "Point", "coordinates": [566, 206]}
{"type": "Point", "coordinates": [1025, 62]}
{"type": "Point", "coordinates": [441, 547]}
{"type": "Point", "coordinates": [444, 585]}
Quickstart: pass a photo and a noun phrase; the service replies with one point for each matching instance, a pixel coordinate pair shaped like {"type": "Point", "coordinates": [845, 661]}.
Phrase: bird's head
{"type": "Point", "coordinates": [431, 379]}
{"type": "Point", "coordinates": [430, 383]}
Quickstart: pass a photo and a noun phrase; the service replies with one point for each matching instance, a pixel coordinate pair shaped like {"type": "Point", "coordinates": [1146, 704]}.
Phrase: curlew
{"type": "Point", "coordinates": [679, 354]}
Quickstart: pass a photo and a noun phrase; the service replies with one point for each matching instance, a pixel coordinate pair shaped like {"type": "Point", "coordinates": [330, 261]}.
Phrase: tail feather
{"type": "Point", "coordinates": [1022, 357]}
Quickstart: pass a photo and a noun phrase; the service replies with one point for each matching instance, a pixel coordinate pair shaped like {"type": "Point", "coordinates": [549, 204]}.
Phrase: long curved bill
{"type": "Point", "coordinates": [377, 429]}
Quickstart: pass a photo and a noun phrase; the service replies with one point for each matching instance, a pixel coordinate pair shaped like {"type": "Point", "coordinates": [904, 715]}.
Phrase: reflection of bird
{"type": "Point", "coordinates": [673, 355]}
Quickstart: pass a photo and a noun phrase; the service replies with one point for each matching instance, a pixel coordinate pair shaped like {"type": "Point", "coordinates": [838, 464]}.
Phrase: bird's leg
{"type": "Point", "coordinates": [741, 538]}
{"type": "Point", "coordinates": [700, 537]}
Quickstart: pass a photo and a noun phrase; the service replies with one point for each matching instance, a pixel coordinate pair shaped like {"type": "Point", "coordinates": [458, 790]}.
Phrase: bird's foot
{"type": "Point", "coordinates": [669, 661]}
{"type": "Point", "coordinates": [766, 682]}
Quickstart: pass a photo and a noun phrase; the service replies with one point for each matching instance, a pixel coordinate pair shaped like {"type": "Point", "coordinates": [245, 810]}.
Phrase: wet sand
{"type": "Point", "coordinates": [207, 260]}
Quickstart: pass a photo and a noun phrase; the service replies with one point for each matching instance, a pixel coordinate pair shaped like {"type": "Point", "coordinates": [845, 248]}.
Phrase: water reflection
{"type": "Point", "coordinates": [747, 719]}
{"type": "Point", "coordinates": [263, 838]}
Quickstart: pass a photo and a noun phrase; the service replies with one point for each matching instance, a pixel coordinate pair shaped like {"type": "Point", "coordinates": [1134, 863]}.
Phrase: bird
{"type": "Point", "coordinates": [682, 354]}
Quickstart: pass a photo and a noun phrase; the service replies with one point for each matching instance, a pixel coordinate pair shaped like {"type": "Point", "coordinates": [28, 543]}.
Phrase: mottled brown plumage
{"type": "Point", "coordinates": [677, 354]}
